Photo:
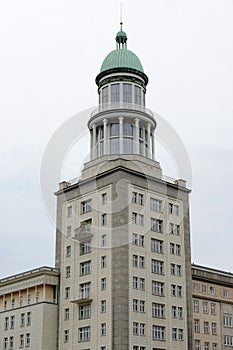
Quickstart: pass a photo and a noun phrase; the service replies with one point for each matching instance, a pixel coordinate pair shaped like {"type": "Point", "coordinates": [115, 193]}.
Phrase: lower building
{"type": "Point", "coordinates": [212, 308]}
{"type": "Point", "coordinates": [29, 310]}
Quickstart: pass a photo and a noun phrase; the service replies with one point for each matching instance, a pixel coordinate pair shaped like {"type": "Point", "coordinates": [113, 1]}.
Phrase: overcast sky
{"type": "Point", "coordinates": [50, 54]}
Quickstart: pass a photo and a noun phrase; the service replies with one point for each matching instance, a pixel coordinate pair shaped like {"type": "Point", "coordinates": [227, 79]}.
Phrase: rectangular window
{"type": "Point", "coordinates": [85, 247]}
{"type": "Point", "coordinates": [67, 292]}
{"type": "Point", "coordinates": [69, 211]}
{"type": "Point", "coordinates": [158, 332]}
{"type": "Point", "coordinates": [103, 262]}
{"type": "Point", "coordinates": [135, 305]}
{"type": "Point", "coordinates": [103, 306]}
{"type": "Point", "coordinates": [206, 346]}
{"type": "Point", "coordinates": [103, 329]}
{"type": "Point", "coordinates": [197, 326]}
{"type": "Point", "coordinates": [157, 266]}
{"type": "Point", "coordinates": [205, 307]}
{"type": "Point", "coordinates": [135, 328]}
{"type": "Point", "coordinates": [204, 288]}
{"type": "Point", "coordinates": [142, 329]}
{"type": "Point", "coordinates": [141, 220]}
{"type": "Point", "coordinates": [29, 299]}
{"type": "Point", "coordinates": [156, 205]}
{"type": "Point", "coordinates": [66, 336]}
{"type": "Point", "coordinates": [13, 303]}
{"type": "Point", "coordinates": [227, 321]}
{"type": "Point", "coordinates": [85, 289]}
{"type": "Point", "coordinates": [134, 218]}
{"type": "Point", "coordinates": [22, 320]}
{"type": "Point", "coordinates": [84, 311]}
{"type": "Point", "coordinates": [68, 251]}
{"type": "Point", "coordinates": [157, 288]}
{"type": "Point", "coordinates": [174, 311]}
{"type": "Point", "coordinates": [214, 327]}
{"type": "Point", "coordinates": [84, 333]}
{"type": "Point", "coordinates": [180, 334]}
{"type": "Point", "coordinates": [21, 301]}
{"type": "Point", "coordinates": [104, 198]}
{"type": "Point", "coordinates": [197, 345]}
{"type": "Point", "coordinates": [67, 271]}
{"type": "Point", "coordinates": [127, 93]}
{"type": "Point", "coordinates": [142, 306]}
{"type": "Point", "coordinates": [103, 283]}
{"type": "Point", "coordinates": [212, 290]}
{"type": "Point", "coordinates": [5, 344]}
{"type": "Point", "coordinates": [158, 310]}
{"type": "Point", "coordinates": [105, 95]}
{"type": "Point", "coordinates": [86, 206]}
{"type": "Point", "coordinates": [21, 340]}
{"type": "Point", "coordinates": [228, 340]}
{"type": "Point", "coordinates": [196, 306]}
{"type": "Point", "coordinates": [141, 284]}
{"type": "Point", "coordinates": [85, 268]}
{"type": "Point", "coordinates": [156, 246]}
{"type": "Point", "coordinates": [137, 95]}
{"type": "Point", "coordinates": [11, 343]}
{"type": "Point", "coordinates": [104, 219]}
{"type": "Point", "coordinates": [140, 199]}
{"type": "Point", "coordinates": [115, 93]}
{"type": "Point", "coordinates": [180, 312]}
{"type": "Point", "coordinates": [103, 240]}
{"type": "Point", "coordinates": [134, 197]}
{"type": "Point", "coordinates": [225, 293]}
{"type": "Point", "coordinates": [156, 225]}
{"type": "Point", "coordinates": [174, 333]}
{"type": "Point", "coordinates": [68, 231]}
{"type": "Point", "coordinates": [206, 327]}
{"type": "Point", "coordinates": [196, 287]}
{"type": "Point", "coordinates": [66, 314]}
{"type": "Point", "coordinates": [141, 262]}
{"type": "Point", "coordinates": [29, 318]}
{"type": "Point", "coordinates": [173, 209]}
{"type": "Point", "coordinates": [179, 291]}
{"type": "Point", "coordinates": [6, 324]}
{"type": "Point", "coordinates": [178, 270]}
{"type": "Point", "coordinates": [28, 340]}
{"type": "Point", "coordinates": [213, 308]}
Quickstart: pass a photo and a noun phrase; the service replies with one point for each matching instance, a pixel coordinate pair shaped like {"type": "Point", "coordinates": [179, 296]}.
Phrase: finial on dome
{"type": "Point", "coordinates": [121, 37]}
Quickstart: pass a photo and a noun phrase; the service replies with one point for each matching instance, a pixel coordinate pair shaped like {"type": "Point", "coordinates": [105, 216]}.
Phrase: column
{"type": "Point", "coordinates": [121, 134]}
{"type": "Point", "coordinates": [148, 140]}
{"type": "Point", "coordinates": [136, 137]}
{"type": "Point", "coordinates": [94, 155]}
{"type": "Point", "coordinates": [153, 145]}
{"type": "Point", "coordinates": [105, 137]}
{"type": "Point", "coordinates": [91, 144]}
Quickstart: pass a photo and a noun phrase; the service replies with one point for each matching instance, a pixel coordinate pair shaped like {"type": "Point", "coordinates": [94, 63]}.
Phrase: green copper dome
{"type": "Point", "coordinates": [121, 58]}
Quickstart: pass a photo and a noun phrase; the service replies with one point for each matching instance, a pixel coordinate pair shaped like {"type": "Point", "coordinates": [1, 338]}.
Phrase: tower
{"type": "Point", "coordinates": [123, 240]}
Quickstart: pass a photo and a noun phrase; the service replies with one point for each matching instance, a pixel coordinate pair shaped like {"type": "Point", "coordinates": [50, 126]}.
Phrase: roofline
{"type": "Point", "coordinates": [120, 70]}
{"type": "Point", "coordinates": [212, 270]}
{"type": "Point", "coordinates": [29, 274]}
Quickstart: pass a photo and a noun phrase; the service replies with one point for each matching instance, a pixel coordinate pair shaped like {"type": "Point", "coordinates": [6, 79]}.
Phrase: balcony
{"type": "Point", "coordinates": [83, 232]}
{"type": "Point", "coordinates": [121, 106]}
{"type": "Point", "coordinates": [83, 298]}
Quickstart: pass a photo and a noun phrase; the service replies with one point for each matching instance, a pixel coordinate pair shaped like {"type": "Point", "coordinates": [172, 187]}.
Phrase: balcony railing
{"type": "Point", "coordinates": [84, 231]}
{"type": "Point", "coordinates": [83, 297]}
{"type": "Point", "coordinates": [111, 106]}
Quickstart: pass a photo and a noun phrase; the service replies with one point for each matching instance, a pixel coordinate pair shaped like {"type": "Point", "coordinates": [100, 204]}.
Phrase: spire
{"type": "Point", "coordinates": [121, 37]}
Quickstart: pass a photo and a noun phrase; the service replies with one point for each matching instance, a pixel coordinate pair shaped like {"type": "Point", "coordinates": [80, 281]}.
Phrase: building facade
{"type": "Point", "coordinates": [123, 237]}
{"type": "Point", "coordinates": [29, 310]}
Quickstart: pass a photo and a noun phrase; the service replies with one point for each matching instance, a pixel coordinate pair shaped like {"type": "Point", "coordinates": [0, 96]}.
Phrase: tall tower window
{"type": "Point", "coordinates": [115, 93]}
{"type": "Point", "coordinates": [127, 93]}
{"type": "Point", "coordinates": [128, 129]}
{"type": "Point", "coordinates": [114, 129]}
{"type": "Point", "coordinates": [137, 95]}
{"type": "Point", "coordinates": [105, 94]}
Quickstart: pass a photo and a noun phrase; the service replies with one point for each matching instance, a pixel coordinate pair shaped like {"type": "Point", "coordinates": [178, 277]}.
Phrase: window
{"type": "Point", "coordinates": [66, 314]}
{"type": "Point", "coordinates": [21, 340]}
{"type": "Point", "coordinates": [156, 246]}
{"type": "Point", "coordinates": [134, 217]}
{"type": "Point", "coordinates": [69, 211]}
{"type": "Point", "coordinates": [21, 301]}
{"type": "Point", "coordinates": [115, 93]}
{"type": "Point", "coordinates": [104, 219]}
{"type": "Point", "coordinates": [134, 197]}
{"type": "Point", "coordinates": [141, 220]}
{"type": "Point", "coordinates": [212, 290]}
{"type": "Point", "coordinates": [180, 312]}
{"type": "Point", "coordinates": [105, 95]}
{"type": "Point", "coordinates": [135, 305]}
{"type": "Point", "coordinates": [196, 287]}
{"type": "Point", "coordinates": [173, 271]}
{"type": "Point", "coordinates": [67, 292]}
{"type": "Point", "coordinates": [103, 283]}
{"type": "Point", "coordinates": [85, 268]}
{"type": "Point", "coordinates": [228, 340]}
{"type": "Point", "coordinates": [22, 320]}
{"type": "Point", "coordinates": [214, 346]}
{"type": "Point", "coordinates": [104, 198]}
{"type": "Point", "coordinates": [141, 262]}
{"type": "Point", "coordinates": [196, 306]}
{"type": "Point", "coordinates": [68, 231]}
{"type": "Point", "coordinates": [180, 334]}
{"type": "Point", "coordinates": [174, 333]}
{"type": "Point", "coordinates": [225, 293]}
{"type": "Point", "coordinates": [178, 270]}
{"type": "Point", "coordinates": [174, 311]}
{"type": "Point", "coordinates": [85, 247]}
{"type": "Point", "coordinates": [227, 321]}
{"type": "Point", "coordinates": [142, 306]}
{"type": "Point", "coordinates": [158, 332]}
{"type": "Point", "coordinates": [156, 205]}
{"type": "Point", "coordinates": [127, 93]}
{"type": "Point", "coordinates": [173, 290]}
{"type": "Point", "coordinates": [86, 206]}
{"type": "Point", "coordinates": [66, 336]}
{"type": "Point", "coordinates": [135, 328]}
{"type": "Point", "coordinates": [178, 249]}
{"type": "Point", "coordinates": [137, 95]}
{"type": "Point", "coordinates": [103, 329]}
{"type": "Point", "coordinates": [114, 129]}
{"type": "Point", "coordinates": [156, 225]}
{"type": "Point", "coordinates": [103, 306]}
{"type": "Point", "coordinates": [13, 303]}
{"type": "Point", "coordinates": [135, 260]}
{"type": "Point", "coordinates": [5, 344]}
{"type": "Point", "coordinates": [138, 240]}
{"type": "Point", "coordinates": [205, 307]}
{"type": "Point", "coordinates": [141, 284]}
{"type": "Point", "coordinates": [179, 291]}
{"type": "Point", "coordinates": [67, 271]}
{"type": "Point", "coordinates": [103, 348]}
{"type": "Point", "coordinates": [206, 327]}
{"type": "Point", "coordinates": [197, 345]}
{"type": "Point", "coordinates": [197, 326]}
{"type": "Point", "coordinates": [84, 333]}
{"type": "Point", "coordinates": [206, 346]}
{"type": "Point", "coordinates": [103, 262]}
{"type": "Point", "coordinates": [140, 199]}
{"type": "Point", "coordinates": [158, 310]}
{"type": "Point", "coordinates": [214, 327]}
{"type": "Point", "coordinates": [142, 328]}
{"type": "Point", "coordinates": [29, 318]}
{"type": "Point", "coordinates": [68, 251]}
{"type": "Point", "coordinates": [5, 305]}
{"type": "Point", "coordinates": [213, 308]}
{"type": "Point", "coordinates": [84, 311]}
{"type": "Point", "coordinates": [172, 248]}
{"type": "Point", "coordinates": [157, 288]}
{"type": "Point", "coordinates": [173, 209]}
{"type": "Point", "coordinates": [85, 289]}
{"type": "Point", "coordinates": [204, 288]}
{"type": "Point", "coordinates": [28, 340]}
{"type": "Point", "coordinates": [157, 266]}
{"type": "Point", "coordinates": [11, 343]}
{"type": "Point", "coordinates": [103, 240]}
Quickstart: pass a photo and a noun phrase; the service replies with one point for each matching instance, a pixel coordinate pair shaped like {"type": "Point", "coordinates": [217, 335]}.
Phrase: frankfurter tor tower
{"type": "Point", "coordinates": [123, 235]}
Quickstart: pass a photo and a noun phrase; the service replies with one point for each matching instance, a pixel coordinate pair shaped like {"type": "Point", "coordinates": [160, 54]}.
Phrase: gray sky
{"type": "Point", "coordinates": [50, 54]}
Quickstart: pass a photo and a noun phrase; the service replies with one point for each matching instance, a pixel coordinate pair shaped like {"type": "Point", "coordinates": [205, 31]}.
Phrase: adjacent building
{"type": "Point", "coordinates": [29, 310]}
